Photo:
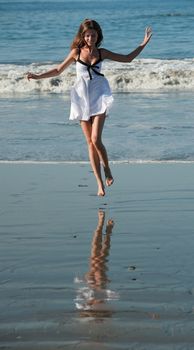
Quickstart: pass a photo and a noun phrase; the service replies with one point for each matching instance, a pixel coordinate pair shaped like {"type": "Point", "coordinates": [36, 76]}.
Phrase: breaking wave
{"type": "Point", "coordinates": [140, 75]}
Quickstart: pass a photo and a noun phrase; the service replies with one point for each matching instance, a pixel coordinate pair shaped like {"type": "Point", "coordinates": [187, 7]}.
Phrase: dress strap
{"type": "Point", "coordinates": [79, 51]}
{"type": "Point", "coordinates": [100, 56]}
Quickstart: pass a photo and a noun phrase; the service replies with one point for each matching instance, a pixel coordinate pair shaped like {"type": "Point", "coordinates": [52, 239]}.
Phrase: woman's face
{"type": "Point", "coordinates": [91, 37]}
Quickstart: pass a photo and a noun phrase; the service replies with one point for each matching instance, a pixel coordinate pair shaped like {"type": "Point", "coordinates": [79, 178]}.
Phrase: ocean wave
{"type": "Point", "coordinates": [140, 75]}
{"type": "Point", "coordinates": [167, 14]}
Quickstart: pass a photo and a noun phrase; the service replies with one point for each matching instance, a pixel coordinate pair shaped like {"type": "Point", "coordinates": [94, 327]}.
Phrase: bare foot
{"type": "Point", "coordinates": [110, 223]}
{"type": "Point", "coordinates": [109, 179]}
{"type": "Point", "coordinates": [101, 191]}
{"type": "Point", "coordinates": [101, 214]}
{"type": "Point", "coordinates": [109, 226]}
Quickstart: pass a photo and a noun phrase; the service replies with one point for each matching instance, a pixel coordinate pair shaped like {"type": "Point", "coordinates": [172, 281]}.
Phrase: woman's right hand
{"type": "Point", "coordinates": [32, 76]}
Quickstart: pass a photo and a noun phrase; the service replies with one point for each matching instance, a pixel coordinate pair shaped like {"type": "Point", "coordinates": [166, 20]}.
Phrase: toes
{"type": "Point", "coordinates": [101, 192]}
{"type": "Point", "coordinates": [109, 181]}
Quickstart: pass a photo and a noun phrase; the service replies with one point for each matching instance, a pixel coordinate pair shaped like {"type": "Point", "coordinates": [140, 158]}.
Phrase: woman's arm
{"type": "Point", "coordinates": [57, 70]}
{"type": "Point", "coordinates": [130, 57]}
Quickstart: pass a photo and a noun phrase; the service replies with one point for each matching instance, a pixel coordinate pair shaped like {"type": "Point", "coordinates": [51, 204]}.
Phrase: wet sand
{"type": "Point", "coordinates": [82, 272]}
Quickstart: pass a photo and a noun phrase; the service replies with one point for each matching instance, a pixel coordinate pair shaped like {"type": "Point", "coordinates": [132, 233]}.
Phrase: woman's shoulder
{"type": "Point", "coordinates": [75, 53]}
{"type": "Point", "coordinates": [103, 52]}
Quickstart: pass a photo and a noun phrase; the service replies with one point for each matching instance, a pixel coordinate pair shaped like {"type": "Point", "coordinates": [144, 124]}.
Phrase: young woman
{"type": "Point", "coordinates": [91, 96]}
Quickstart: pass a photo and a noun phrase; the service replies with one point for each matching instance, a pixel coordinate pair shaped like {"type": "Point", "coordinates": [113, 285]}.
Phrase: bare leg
{"type": "Point", "coordinates": [93, 155]}
{"type": "Point", "coordinates": [96, 137]}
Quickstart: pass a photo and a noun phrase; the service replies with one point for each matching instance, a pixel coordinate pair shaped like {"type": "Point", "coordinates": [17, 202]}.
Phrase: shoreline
{"type": "Point", "coordinates": [85, 162]}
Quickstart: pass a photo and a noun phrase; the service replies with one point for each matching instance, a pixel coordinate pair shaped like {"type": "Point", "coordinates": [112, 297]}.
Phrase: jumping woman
{"type": "Point", "coordinates": [91, 96]}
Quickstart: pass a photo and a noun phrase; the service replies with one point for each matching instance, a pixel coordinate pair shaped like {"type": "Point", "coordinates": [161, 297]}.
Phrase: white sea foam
{"type": "Point", "coordinates": [139, 75]}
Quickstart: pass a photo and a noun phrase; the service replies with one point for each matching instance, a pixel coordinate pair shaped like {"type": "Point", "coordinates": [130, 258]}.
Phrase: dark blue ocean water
{"type": "Point", "coordinates": [37, 31]}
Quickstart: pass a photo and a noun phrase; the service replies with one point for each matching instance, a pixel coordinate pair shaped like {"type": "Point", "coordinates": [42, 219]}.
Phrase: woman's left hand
{"type": "Point", "coordinates": [147, 37]}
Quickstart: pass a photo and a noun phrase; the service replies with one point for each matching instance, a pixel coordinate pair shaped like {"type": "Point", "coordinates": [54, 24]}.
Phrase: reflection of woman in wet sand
{"type": "Point", "coordinates": [92, 298]}
{"type": "Point", "coordinates": [96, 277]}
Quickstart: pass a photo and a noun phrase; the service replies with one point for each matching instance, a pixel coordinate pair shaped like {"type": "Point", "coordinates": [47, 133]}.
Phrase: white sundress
{"type": "Point", "coordinates": [91, 94]}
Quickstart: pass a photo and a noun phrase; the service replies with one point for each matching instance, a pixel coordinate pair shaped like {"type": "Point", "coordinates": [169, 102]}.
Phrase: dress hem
{"type": "Point", "coordinates": [93, 115]}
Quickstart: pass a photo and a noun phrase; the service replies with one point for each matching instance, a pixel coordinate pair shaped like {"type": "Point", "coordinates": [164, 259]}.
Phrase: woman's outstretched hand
{"type": "Point", "coordinates": [147, 37]}
{"type": "Point", "coordinates": [32, 76]}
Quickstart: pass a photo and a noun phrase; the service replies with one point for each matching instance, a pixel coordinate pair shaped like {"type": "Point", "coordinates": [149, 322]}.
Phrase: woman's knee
{"type": "Point", "coordinates": [91, 146]}
{"type": "Point", "coordinates": [96, 141]}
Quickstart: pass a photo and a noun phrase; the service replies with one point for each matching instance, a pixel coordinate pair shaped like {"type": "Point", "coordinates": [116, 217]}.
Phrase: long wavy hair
{"type": "Point", "coordinates": [87, 24]}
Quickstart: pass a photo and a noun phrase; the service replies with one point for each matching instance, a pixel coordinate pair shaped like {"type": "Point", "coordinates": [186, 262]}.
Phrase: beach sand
{"type": "Point", "coordinates": [82, 272]}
